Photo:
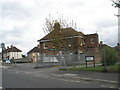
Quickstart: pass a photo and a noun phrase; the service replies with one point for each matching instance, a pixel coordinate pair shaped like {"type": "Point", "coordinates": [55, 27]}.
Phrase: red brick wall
{"type": "Point", "coordinates": [77, 43]}
{"type": "Point", "coordinates": [89, 46]}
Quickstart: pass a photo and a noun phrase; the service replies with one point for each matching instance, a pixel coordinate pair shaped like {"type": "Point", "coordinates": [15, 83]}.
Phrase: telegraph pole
{"type": "Point", "coordinates": [105, 70]}
{"type": "Point", "coordinates": [2, 46]}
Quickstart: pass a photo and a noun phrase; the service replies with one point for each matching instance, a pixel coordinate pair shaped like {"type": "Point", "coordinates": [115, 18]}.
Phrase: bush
{"type": "Point", "coordinates": [110, 55]}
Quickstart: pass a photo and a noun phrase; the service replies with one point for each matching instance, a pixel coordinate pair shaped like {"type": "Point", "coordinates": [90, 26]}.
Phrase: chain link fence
{"type": "Point", "coordinates": [45, 60]}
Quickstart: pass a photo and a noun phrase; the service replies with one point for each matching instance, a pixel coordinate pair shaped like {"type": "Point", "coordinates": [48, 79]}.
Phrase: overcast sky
{"type": "Point", "coordinates": [21, 21]}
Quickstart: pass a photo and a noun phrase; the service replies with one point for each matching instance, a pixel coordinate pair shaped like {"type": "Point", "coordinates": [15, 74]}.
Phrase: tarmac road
{"type": "Point", "coordinates": [14, 79]}
{"type": "Point", "coordinates": [24, 76]}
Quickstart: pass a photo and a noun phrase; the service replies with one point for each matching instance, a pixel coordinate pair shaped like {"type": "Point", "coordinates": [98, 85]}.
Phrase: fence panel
{"type": "Point", "coordinates": [44, 60]}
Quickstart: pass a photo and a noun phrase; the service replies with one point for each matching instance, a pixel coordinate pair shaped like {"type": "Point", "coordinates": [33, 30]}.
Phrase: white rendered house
{"type": "Point", "coordinates": [12, 52]}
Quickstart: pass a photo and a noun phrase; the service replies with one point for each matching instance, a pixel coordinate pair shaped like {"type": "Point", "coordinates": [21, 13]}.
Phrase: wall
{"type": "Point", "coordinates": [69, 44]}
{"type": "Point", "coordinates": [16, 55]}
{"type": "Point", "coordinates": [33, 56]}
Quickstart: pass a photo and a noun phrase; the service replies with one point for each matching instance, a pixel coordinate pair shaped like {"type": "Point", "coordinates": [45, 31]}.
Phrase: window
{"type": "Point", "coordinates": [62, 46]}
{"type": "Point", "coordinates": [92, 40]}
{"type": "Point", "coordinates": [69, 45]}
{"type": "Point", "coordinates": [45, 46]}
{"type": "Point", "coordinates": [83, 41]}
{"type": "Point", "coordinates": [81, 44]}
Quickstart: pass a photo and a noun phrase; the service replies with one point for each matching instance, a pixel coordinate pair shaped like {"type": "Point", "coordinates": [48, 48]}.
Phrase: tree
{"type": "Point", "coordinates": [65, 40]}
{"type": "Point", "coordinates": [109, 56]}
{"type": "Point", "coordinates": [56, 37]}
{"type": "Point", "coordinates": [50, 21]}
{"type": "Point", "coordinates": [116, 3]}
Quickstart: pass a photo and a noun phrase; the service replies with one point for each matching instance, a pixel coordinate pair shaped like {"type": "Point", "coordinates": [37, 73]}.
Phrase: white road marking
{"type": "Point", "coordinates": [0, 87]}
{"type": "Point", "coordinates": [70, 74]}
{"type": "Point", "coordinates": [2, 67]}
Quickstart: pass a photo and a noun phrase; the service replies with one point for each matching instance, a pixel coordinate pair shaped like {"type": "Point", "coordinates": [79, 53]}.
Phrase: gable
{"type": "Point", "coordinates": [35, 49]}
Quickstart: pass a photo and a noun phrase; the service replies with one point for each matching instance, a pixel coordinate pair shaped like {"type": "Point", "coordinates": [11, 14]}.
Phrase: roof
{"type": "Point", "coordinates": [94, 34]}
{"type": "Point", "coordinates": [35, 49]}
{"type": "Point", "coordinates": [12, 49]}
{"type": "Point", "coordinates": [64, 32]}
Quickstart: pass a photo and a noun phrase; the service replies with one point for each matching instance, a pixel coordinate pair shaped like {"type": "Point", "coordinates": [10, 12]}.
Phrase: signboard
{"type": "Point", "coordinates": [89, 58]}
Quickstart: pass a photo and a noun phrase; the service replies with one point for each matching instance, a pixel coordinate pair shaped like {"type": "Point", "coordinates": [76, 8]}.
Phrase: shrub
{"type": "Point", "coordinates": [109, 55]}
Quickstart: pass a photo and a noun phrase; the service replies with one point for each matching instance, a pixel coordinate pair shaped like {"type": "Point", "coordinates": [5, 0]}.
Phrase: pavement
{"type": "Point", "coordinates": [104, 77]}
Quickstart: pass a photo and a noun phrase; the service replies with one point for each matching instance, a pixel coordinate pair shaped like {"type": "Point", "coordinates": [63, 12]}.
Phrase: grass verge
{"type": "Point", "coordinates": [114, 68]}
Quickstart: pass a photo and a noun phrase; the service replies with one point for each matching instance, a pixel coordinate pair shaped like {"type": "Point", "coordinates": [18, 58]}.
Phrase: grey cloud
{"type": "Point", "coordinates": [16, 32]}
{"type": "Point", "coordinates": [14, 10]}
{"type": "Point", "coordinates": [105, 23]}
{"type": "Point", "coordinates": [110, 36]}
{"type": "Point", "coordinates": [73, 4]}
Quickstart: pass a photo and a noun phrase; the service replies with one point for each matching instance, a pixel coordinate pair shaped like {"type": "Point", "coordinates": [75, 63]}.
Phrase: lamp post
{"type": "Point", "coordinates": [53, 55]}
{"type": "Point", "coordinates": [105, 70]}
{"type": "Point", "coordinates": [2, 46]}
{"type": "Point", "coordinates": [2, 55]}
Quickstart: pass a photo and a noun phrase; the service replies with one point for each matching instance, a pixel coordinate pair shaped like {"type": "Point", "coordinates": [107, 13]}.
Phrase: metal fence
{"type": "Point", "coordinates": [44, 60]}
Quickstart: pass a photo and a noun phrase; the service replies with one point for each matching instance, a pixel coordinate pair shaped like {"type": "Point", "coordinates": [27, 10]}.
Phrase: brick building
{"type": "Point", "coordinates": [68, 39]}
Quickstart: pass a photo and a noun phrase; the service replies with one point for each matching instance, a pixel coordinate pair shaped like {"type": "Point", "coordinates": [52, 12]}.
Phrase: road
{"type": "Point", "coordinates": [24, 76]}
{"type": "Point", "coordinates": [14, 79]}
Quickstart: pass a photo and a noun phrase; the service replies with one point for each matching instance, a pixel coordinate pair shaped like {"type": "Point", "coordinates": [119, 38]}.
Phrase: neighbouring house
{"type": "Point", "coordinates": [101, 45]}
{"type": "Point", "coordinates": [33, 53]}
{"type": "Point", "coordinates": [69, 40]}
{"type": "Point", "coordinates": [12, 52]}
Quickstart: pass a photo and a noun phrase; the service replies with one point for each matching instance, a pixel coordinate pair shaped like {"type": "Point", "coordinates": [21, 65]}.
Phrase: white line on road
{"type": "Point", "coordinates": [0, 87]}
{"type": "Point", "coordinates": [3, 67]}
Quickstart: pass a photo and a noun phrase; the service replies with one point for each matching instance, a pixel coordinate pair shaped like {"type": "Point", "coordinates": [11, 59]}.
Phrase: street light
{"type": "Point", "coordinates": [2, 46]}
{"type": "Point", "coordinates": [105, 70]}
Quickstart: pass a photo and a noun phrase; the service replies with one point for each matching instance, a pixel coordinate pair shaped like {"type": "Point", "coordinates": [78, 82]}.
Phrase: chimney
{"type": "Point", "coordinates": [7, 47]}
{"type": "Point", "coordinates": [56, 26]}
{"type": "Point", "coordinates": [11, 46]}
{"type": "Point", "coordinates": [38, 46]}
{"type": "Point", "coordinates": [118, 44]}
{"type": "Point", "coordinates": [101, 42]}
